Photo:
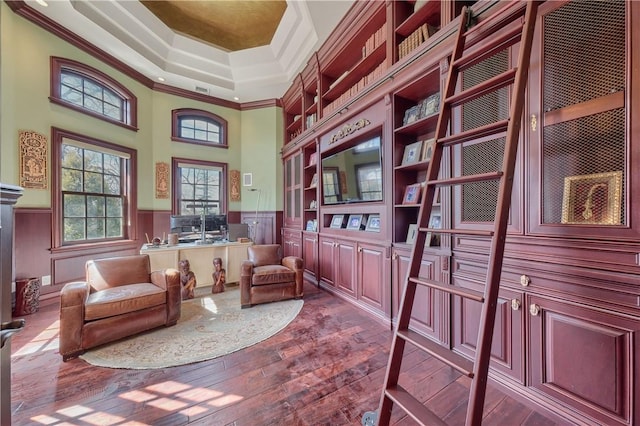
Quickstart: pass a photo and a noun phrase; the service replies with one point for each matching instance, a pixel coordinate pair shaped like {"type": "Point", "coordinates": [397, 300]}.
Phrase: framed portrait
{"type": "Point", "coordinates": [412, 153]}
{"type": "Point", "coordinates": [337, 221]}
{"type": "Point", "coordinates": [427, 149]}
{"type": "Point", "coordinates": [314, 181]}
{"type": "Point", "coordinates": [431, 105]}
{"type": "Point", "coordinates": [311, 225]}
{"type": "Point", "coordinates": [411, 233]}
{"type": "Point", "coordinates": [592, 199]}
{"type": "Point", "coordinates": [355, 222]}
{"type": "Point", "coordinates": [373, 223]}
{"type": "Point", "coordinates": [412, 194]}
{"type": "Point", "coordinates": [412, 114]}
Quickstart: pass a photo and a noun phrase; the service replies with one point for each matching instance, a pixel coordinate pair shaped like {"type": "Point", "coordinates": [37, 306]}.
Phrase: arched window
{"type": "Point", "coordinates": [87, 90]}
{"type": "Point", "coordinates": [200, 127]}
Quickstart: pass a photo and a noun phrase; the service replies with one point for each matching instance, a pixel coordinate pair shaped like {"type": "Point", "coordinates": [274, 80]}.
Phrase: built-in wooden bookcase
{"type": "Point", "coordinates": [311, 188]}
{"type": "Point", "coordinates": [416, 109]}
{"type": "Point", "coordinates": [292, 106]}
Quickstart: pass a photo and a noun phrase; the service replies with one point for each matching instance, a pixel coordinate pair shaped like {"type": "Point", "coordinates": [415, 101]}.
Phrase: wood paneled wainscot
{"type": "Point", "coordinates": [200, 259]}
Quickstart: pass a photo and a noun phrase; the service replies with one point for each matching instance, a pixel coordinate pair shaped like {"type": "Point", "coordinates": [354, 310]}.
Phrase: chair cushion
{"type": "Point", "coordinates": [264, 254]}
{"type": "Point", "coordinates": [272, 274]}
{"type": "Point", "coordinates": [123, 299]}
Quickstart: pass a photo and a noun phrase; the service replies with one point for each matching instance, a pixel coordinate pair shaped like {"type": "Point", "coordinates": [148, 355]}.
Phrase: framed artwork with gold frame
{"type": "Point", "coordinates": [592, 199]}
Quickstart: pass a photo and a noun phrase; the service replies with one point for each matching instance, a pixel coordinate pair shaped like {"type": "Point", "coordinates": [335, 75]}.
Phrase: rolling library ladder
{"type": "Point", "coordinates": [472, 45]}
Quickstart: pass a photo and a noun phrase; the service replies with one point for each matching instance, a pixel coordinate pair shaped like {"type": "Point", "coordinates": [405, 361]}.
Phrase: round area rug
{"type": "Point", "coordinates": [210, 326]}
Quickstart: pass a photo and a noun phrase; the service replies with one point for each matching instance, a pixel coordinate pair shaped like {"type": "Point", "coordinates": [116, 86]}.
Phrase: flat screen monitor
{"type": "Point", "coordinates": [190, 224]}
{"type": "Point", "coordinates": [354, 174]}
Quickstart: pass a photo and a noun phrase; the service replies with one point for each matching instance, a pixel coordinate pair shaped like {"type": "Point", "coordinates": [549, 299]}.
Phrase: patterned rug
{"type": "Point", "coordinates": [211, 325]}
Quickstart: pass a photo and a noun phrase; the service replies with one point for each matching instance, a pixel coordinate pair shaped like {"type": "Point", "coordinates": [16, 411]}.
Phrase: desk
{"type": "Point", "coordinates": [200, 258]}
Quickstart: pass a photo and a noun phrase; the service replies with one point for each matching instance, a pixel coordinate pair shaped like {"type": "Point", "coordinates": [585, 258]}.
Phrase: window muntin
{"type": "Point", "coordinates": [198, 126]}
{"type": "Point", "coordinates": [199, 187]}
{"type": "Point", "coordinates": [92, 197]}
{"type": "Point", "coordinates": [87, 90]}
{"type": "Point", "coordinates": [370, 182]}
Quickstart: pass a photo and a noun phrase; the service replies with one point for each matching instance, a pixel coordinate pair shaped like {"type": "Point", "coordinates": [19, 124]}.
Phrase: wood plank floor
{"type": "Point", "coordinates": [326, 368]}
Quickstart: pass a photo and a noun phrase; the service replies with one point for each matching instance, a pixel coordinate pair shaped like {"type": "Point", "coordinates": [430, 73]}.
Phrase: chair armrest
{"type": "Point", "coordinates": [169, 279]}
{"type": "Point", "coordinates": [292, 262]}
{"type": "Point", "coordinates": [246, 273]}
{"type": "Point", "coordinates": [72, 300]}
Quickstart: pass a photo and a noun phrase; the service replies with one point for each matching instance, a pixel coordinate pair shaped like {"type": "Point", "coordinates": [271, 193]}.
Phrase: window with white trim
{"type": "Point", "coordinates": [199, 187]}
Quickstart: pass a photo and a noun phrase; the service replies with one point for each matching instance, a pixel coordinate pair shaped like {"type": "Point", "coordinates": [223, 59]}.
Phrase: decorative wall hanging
{"type": "Point", "coordinates": [162, 180]}
{"type": "Point", "coordinates": [33, 160]}
{"type": "Point", "coordinates": [234, 187]}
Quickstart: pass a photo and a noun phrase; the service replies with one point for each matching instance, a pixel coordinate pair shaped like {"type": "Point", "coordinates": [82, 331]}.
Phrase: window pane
{"type": "Point", "coordinates": [71, 180]}
{"type": "Point", "coordinates": [111, 98]}
{"type": "Point", "coordinates": [70, 95]}
{"type": "Point", "coordinates": [187, 133]}
{"type": "Point", "coordinates": [187, 192]}
{"type": "Point", "coordinates": [200, 125]}
{"type": "Point", "coordinates": [71, 80]}
{"type": "Point", "coordinates": [112, 164]}
{"type": "Point", "coordinates": [71, 157]}
{"type": "Point", "coordinates": [92, 161]}
{"type": "Point", "coordinates": [92, 89]}
{"type": "Point", "coordinates": [73, 229]}
{"type": "Point", "coordinates": [200, 135]}
{"type": "Point", "coordinates": [92, 182]}
{"type": "Point", "coordinates": [112, 185]}
{"type": "Point", "coordinates": [200, 192]}
{"type": "Point", "coordinates": [114, 207]}
{"type": "Point", "coordinates": [95, 228]}
{"type": "Point", "coordinates": [112, 111]}
{"type": "Point", "coordinates": [92, 104]}
{"type": "Point", "coordinates": [73, 205]}
{"type": "Point", "coordinates": [114, 227]}
{"type": "Point", "coordinates": [95, 206]}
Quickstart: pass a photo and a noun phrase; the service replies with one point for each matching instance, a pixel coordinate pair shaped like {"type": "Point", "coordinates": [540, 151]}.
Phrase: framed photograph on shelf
{"type": "Point", "coordinates": [313, 159]}
{"type": "Point", "coordinates": [314, 181]}
{"type": "Point", "coordinates": [411, 233]}
{"type": "Point", "coordinates": [312, 225]}
{"type": "Point", "coordinates": [430, 106]}
{"type": "Point", "coordinates": [355, 222]}
{"type": "Point", "coordinates": [434, 223]}
{"type": "Point", "coordinates": [412, 153]}
{"type": "Point", "coordinates": [427, 149]}
{"type": "Point", "coordinates": [592, 199]}
{"type": "Point", "coordinates": [411, 115]}
{"type": "Point", "coordinates": [373, 223]}
{"type": "Point", "coordinates": [337, 221]}
{"type": "Point", "coordinates": [412, 194]}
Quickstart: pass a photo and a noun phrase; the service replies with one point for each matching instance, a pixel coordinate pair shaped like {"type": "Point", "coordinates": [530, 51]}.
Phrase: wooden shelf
{"type": "Point", "coordinates": [417, 166]}
{"type": "Point", "coordinates": [425, 14]}
{"type": "Point", "coordinates": [419, 126]}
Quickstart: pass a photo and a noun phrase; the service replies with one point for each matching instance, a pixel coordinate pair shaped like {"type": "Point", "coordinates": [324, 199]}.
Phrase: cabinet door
{"type": "Point", "coordinates": [291, 243]}
{"type": "Point", "coordinates": [345, 262]}
{"type": "Point", "coordinates": [585, 359]}
{"type": "Point", "coordinates": [373, 276]}
{"type": "Point", "coordinates": [507, 346]}
{"type": "Point", "coordinates": [293, 190]}
{"type": "Point", "coordinates": [326, 263]}
{"type": "Point", "coordinates": [427, 312]}
{"type": "Point", "coordinates": [310, 252]}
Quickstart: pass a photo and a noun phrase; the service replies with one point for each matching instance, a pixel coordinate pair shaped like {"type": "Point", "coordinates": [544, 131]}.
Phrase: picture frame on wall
{"type": "Point", "coordinates": [355, 222]}
{"type": "Point", "coordinates": [373, 223]}
{"type": "Point", "coordinates": [593, 199]}
{"type": "Point", "coordinates": [412, 153]}
{"type": "Point", "coordinates": [337, 221]}
{"type": "Point", "coordinates": [412, 194]}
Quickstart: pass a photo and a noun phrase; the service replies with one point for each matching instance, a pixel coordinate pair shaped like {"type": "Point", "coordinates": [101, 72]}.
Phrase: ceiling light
{"type": "Point", "coordinates": [160, 78]}
{"type": "Point", "coordinates": [235, 98]}
{"type": "Point", "coordinates": [42, 3]}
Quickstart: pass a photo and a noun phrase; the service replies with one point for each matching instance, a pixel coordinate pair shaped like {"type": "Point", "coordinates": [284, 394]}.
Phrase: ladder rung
{"type": "Point", "coordinates": [476, 133]}
{"type": "Point", "coordinates": [459, 180]}
{"type": "Point", "coordinates": [439, 352]}
{"type": "Point", "coordinates": [487, 86]}
{"type": "Point", "coordinates": [475, 232]}
{"type": "Point", "coordinates": [504, 40]}
{"type": "Point", "coordinates": [413, 407]}
{"type": "Point", "coordinates": [467, 293]}
{"type": "Point", "coordinates": [493, 25]}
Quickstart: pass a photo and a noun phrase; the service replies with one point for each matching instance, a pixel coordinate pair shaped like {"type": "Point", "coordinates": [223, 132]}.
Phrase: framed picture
{"type": "Point", "coordinates": [337, 221]}
{"type": "Point", "coordinates": [313, 159]}
{"type": "Point", "coordinates": [412, 114]}
{"type": "Point", "coordinates": [314, 181]}
{"type": "Point", "coordinates": [427, 149]}
{"type": "Point", "coordinates": [355, 222]}
{"type": "Point", "coordinates": [373, 223]}
{"type": "Point", "coordinates": [434, 223]}
{"type": "Point", "coordinates": [312, 225]}
{"type": "Point", "coordinates": [412, 194]}
{"type": "Point", "coordinates": [412, 153]}
{"type": "Point", "coordinates": [411, 233]}
{"type": "Point", "coordinates": [247, 179]}
{"type": "Point", "coordinates": [431, 105]}
{"type": "Point", "coordinates": [592, 199]}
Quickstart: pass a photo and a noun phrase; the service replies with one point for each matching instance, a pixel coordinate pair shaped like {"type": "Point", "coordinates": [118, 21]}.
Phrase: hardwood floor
{"type": "Point", "coordinates": [326, 368]}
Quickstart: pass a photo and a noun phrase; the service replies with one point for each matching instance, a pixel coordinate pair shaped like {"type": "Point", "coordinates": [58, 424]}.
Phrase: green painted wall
{"type": "Point", "coordinates": [254, 136]}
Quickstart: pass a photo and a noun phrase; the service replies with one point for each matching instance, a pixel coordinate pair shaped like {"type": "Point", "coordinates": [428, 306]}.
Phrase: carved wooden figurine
{"type": "Point", "coordinates": [187, 279]}
{"type": "Point", "coordinates": [219, 276]}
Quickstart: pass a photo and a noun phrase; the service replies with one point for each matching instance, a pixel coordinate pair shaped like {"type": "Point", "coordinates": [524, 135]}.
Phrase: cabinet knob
{"type": "Point", "coordinates": [359, 249]}
{"type": "Point", "coordinates": [525, 280]}
{"type": "Point", "coordinates": [515, 304]}
{"type": "Point", "coordinates": [394, 256]}
{"type": "Point", "coordinates": [534, 309]}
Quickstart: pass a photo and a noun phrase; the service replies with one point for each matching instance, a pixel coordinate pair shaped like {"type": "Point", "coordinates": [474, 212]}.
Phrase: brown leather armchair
{"type": "Point", "coordinates": [268, 277]}
{"type": "Point", "coordinates": [120, 297]}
